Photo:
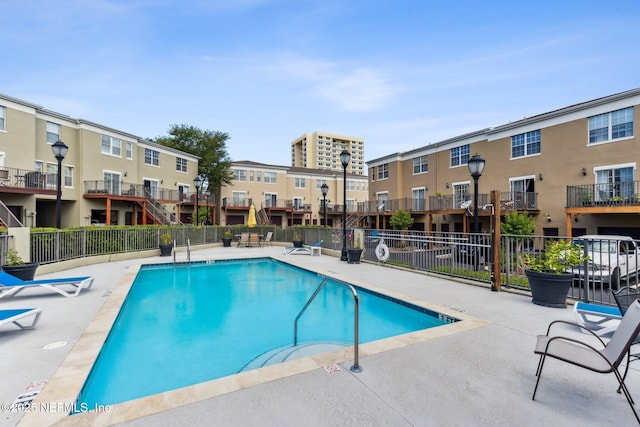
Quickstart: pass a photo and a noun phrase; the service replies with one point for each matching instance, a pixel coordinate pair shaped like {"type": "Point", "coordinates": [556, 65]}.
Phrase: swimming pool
{"type": "Point", "coordinates": [202, 330]}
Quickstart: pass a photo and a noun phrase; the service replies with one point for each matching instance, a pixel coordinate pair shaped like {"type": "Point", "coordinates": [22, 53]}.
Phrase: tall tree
{"type": "Point", "coordinates": [210, 146]}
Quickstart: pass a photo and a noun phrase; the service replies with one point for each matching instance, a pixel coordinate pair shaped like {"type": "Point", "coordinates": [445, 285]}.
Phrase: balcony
{"type": "Point", "coordinates": [618, 194]}
{"type": "Point", "coordinates": [14, 180]}
{"type": "Point", "coordinates": [99, 189]}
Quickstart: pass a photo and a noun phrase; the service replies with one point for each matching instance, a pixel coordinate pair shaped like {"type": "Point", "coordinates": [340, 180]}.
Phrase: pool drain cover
{"type": "Point", "coordinates": [53, 345]}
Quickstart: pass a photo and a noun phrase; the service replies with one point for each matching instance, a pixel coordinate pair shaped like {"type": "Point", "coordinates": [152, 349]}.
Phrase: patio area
{"type": "Point", "coordinates": [482, 376]}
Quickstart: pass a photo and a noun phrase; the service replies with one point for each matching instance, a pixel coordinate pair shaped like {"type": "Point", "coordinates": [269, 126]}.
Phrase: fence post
{"type": "Point", "coordinates": [495, 241]}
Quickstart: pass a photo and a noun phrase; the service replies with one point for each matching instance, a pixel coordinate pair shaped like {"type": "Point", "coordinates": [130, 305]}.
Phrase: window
{"type": "Point", "coordinates": [525, 144]}
{"type": "Point", "coordinates": [523, 193]}
{"type": "Point", "coordinates": [298, 203]}
{"type": "Point", "coordinates": [270, 177]}
{"type": "Point", "coordinates": [183, 191]}
{"type": "Point", "coordinates": [270, 200]}
{"type": "Point", "coordinates": [251, 175]}
{"type": "Point", "coordinates": [239, 175]}
{"type": "Point", "coordinates": [461, 193]}
{"type": "Point", "coordinates": [151, 157]}
{"type": "Point", "coordinates": [420, 165]}
{"type": "Point", "coordinates": [181, 164]}
{"type": "Point", "coordinates": [3, 115]}
{"type": "Point", "coordinates": [351, 185]}
{"type": "Point", "coordinates": [615, 183]}
{"type": "Point", "coordinates": [460, 155]}
{"type": "Point", "coordinates": [150, 187]}
{"type": "Point", "coordinates": [258, 176]}
{"type": "Point", "coordinates": [129, 149]}
{"type": "Point", "coordinates": [38, 166]}
{"type": "Point", "coordinates": [112, 182]}
{"type": "Point", "coordinates": [52, 175]}
{"type": "Point", "coordinates": [319, 183]}
{"type": "Point", "coordinates": [239, 198]}
{"type": "Point", "coordinates": [418, 199]}
{"type": "Point", "coordinates": [53, 132]}
{"type": "Point", "coordinates": [610, 126]}
{"type": "Point", "coordinates": [383, 171]}
{"type": "Point", "coordinates": [110, 145]}
{"type": "Point", "coordinates": [300, 182]}
{"type": "Point", "coordinates": [351, 205]}
{"type": "Point", "coordinates": [68, 176]}
{"type": "Point", "coordinates": [383, 202]}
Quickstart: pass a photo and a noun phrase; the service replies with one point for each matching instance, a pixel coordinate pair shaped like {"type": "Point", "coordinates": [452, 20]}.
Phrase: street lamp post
{"type": "Point", "coordinates": [325, 189]}
{"type": "Point", "coordinates": [476, 166]}
{"type": "Point", "coordinates": [197, 181]}
{"type": "Point", "coordinates": [345, 156]}
{"type": "Point", "coordinates": [59, 149]}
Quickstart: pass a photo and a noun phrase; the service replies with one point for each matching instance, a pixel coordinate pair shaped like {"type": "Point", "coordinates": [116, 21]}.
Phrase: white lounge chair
{"type": "Point", "coordinates": [312, 249]}
{"type": "Point", "coordinates": [600, 319]}
{"type": "Point", "coordinates": [17, 314]}
{"type": "Point", "coordinates": [12, 285]}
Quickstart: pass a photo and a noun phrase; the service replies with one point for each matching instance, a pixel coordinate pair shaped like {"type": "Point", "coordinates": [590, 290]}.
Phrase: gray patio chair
{"type": "Point", "coordinates": [579, 353]}
{"type": "Point", "coordinates": [624, 298]}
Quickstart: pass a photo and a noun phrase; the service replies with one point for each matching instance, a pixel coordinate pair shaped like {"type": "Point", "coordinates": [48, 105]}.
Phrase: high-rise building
{"type": "Point", "coordinates": [321, 150]}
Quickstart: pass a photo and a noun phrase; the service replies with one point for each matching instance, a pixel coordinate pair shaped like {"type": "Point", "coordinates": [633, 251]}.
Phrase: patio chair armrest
{"type": "Point", "coordinates": [584, 328]}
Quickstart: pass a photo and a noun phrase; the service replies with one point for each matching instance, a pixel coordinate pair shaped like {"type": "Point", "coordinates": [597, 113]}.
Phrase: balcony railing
{"type": "Point", "coordinates": [613, 194]}
{"type": "Point", "coordinates": [26, 178]}
{"type": "Point", "coordinates": [518, 201]}
{"type": "Point", "coordinates": [118, 188]}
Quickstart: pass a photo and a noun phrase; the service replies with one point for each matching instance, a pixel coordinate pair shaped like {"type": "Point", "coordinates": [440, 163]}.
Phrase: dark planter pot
{"type": "Point", "coordinates": [549, 290]}
{"type": "Point", "coordinates": [165, 250]}
{"type": "Point", "coordinates": [298, 243]}
{"type": "Point", "coordinates": [25, 271]}
{"type": "Point", "coordinates": [226, 243]}
{"type": "Point", "coordinates": [353, 256]}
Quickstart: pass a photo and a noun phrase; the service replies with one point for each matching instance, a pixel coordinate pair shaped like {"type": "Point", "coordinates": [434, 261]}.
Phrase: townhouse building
{"type": "Point", "coordinates": [574, 169]}
{"type": "Point", "coordinates": [287, 196]}
{"type": "Point", "coordinates": [109, 177]}
{"type": "Point", "coordinates": [321, 150]}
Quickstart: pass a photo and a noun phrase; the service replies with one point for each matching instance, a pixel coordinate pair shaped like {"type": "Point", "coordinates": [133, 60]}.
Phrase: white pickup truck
{"type": "Point", "coordinates": [611, 258]}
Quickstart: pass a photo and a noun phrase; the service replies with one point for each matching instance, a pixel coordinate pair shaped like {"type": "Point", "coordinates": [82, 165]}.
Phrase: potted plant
{"type": "Point", "coordinates": [548, 272]}
{"type": "Point", "coordinates": [354, 253]}
{"type": "Point", "coordinates": [16, 266]}
{"type": "Point", "coordinates": [226, 239]}
{"type": "Point", "coordinates": [297, 239]}
{"type": "Point", "coordinates": [166, 245]}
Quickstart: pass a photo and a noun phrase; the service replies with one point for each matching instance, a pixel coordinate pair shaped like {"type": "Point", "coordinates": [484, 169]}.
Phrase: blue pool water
{"type": "Point", "coordinates": [182, 326]}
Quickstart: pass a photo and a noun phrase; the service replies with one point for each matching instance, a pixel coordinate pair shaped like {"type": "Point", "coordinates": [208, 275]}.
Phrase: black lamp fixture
{"type": "Point", "coordinates": [584, 171]}
{"type": "Point", "coordinates": [325, 189]}
{"type": "Point", "coordinates": [345, 156]}
{"type": "Point", "coordinates": [476, 166]}
{"type": "Point", "coordinates": [60, 150]}
{"type": "Point", "coordinates": [197, 182]}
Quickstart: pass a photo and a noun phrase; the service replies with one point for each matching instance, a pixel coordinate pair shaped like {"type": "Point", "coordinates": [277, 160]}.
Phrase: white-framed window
{"type": "Point", "coordinates": [461, 193]}
{"type": "Point", "coordinates": [53, 132]}
{"type": "Point", "coordinates": [298, 203]}
{"type": "Point", "coordinates": [419, 198]}
{"type": "Point", "coordinates": [181, 164]}
{"type": "Point", "coordinates": [52, 175]}
{"type": "Point", "coordinates": [151, 157]}
{"type": "Point", "coordinates": [3, 118]}
{"type": "Point", "coordinates": [382, 201]}
{"type": "Point", "coordinates": [611, 126]}
{"type": "Point", "coordinates": [258, 176]}
{"type": "Point", "coordinates": [383, 171]}
{"type": "Point", "coordinates": [239, 198]}
{"type": "Point", "coordinates": [525, 144]}
{"type": "Point", "coordinates": [68, 176]}
{"type": "Point", "coordinates": [460, 155]}
{"type": "Point", "coordinates": [111, 146]}
{"type": "Point", "coordinates": [252, 175]}
{"type": "Point", "coordinates": [351, 185]}
{"type": "Point", "coordinates": [523, 192]}
{"type": "Point", "coordinates": [319, 183]}
{"type": "Point", "coordinates": [239, 175]}
{"type": "Point", "coordinates": [420, 165]}
{"type": "Point", "coordinates": [271, 200]}
{"type": "Point", "coordinates": [351, 205]}
{"type": "Point", "coordinates": [38, 166]}
{"type": "Point", "coordinates": [300, 182]}
{"type": "Point", "coordinates": [129, 150]}
{"type": "Point", "coordinates": [270, 177]}
{"type": "Point", "coordinates": [615, 182]}
{"type": "Point", "coordinates": [111, 182]}
{"type": "Point", "coordinates": [183, 191]}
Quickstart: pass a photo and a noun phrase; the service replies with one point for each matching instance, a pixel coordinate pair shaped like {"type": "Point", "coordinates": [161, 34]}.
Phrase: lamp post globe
{"type": "Point", "coordinates": [325, 189]}
{"type": "Point", "coordinates": [197, 182]}
{"type": "Point", "coordinates": [60, 150]}
{"type": "Point", "coordinates": [345, 156]}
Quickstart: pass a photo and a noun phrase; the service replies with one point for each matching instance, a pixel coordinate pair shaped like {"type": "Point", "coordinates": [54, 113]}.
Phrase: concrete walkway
{"type": "Point", "coordinates": [480, 377]}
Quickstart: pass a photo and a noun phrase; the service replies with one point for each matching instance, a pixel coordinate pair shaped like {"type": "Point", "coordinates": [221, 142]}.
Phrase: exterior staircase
{"type": "Point", "coordinates": [7, 218]}
{"type": "Point", "coordinates": [157, 211]}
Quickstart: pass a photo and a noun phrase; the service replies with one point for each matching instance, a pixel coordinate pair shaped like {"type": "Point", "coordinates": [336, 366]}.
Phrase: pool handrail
{"type": "Point", "coordinates": [356, 366]}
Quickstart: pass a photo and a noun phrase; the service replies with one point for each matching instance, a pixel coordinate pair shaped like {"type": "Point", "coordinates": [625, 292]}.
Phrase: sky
{"type": "Point", "coordinates": [401, 74]}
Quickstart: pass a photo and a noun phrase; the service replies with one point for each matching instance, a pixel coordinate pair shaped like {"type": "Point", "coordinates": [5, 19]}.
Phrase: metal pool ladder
{"type": "Point", "coordinates": [356, 366]}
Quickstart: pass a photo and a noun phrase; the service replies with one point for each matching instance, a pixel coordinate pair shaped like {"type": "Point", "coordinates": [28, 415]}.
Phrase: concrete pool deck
{"type": "Point", "coordinates": [478, 375]}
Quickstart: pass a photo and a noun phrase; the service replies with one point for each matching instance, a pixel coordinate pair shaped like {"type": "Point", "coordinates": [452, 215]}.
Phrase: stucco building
{"type": "Point", "coordinates": [321, 150]}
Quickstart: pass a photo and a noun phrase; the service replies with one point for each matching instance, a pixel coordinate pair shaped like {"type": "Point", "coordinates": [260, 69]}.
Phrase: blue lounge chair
{"type": "Point", "coordinates": [309, 250]}
{"type": "Point", "coordinates": [16, 315]}
{"type": "Point", "coordinates": [600, 319]}
{"type": "Point", "coordinates": [11, 285]}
